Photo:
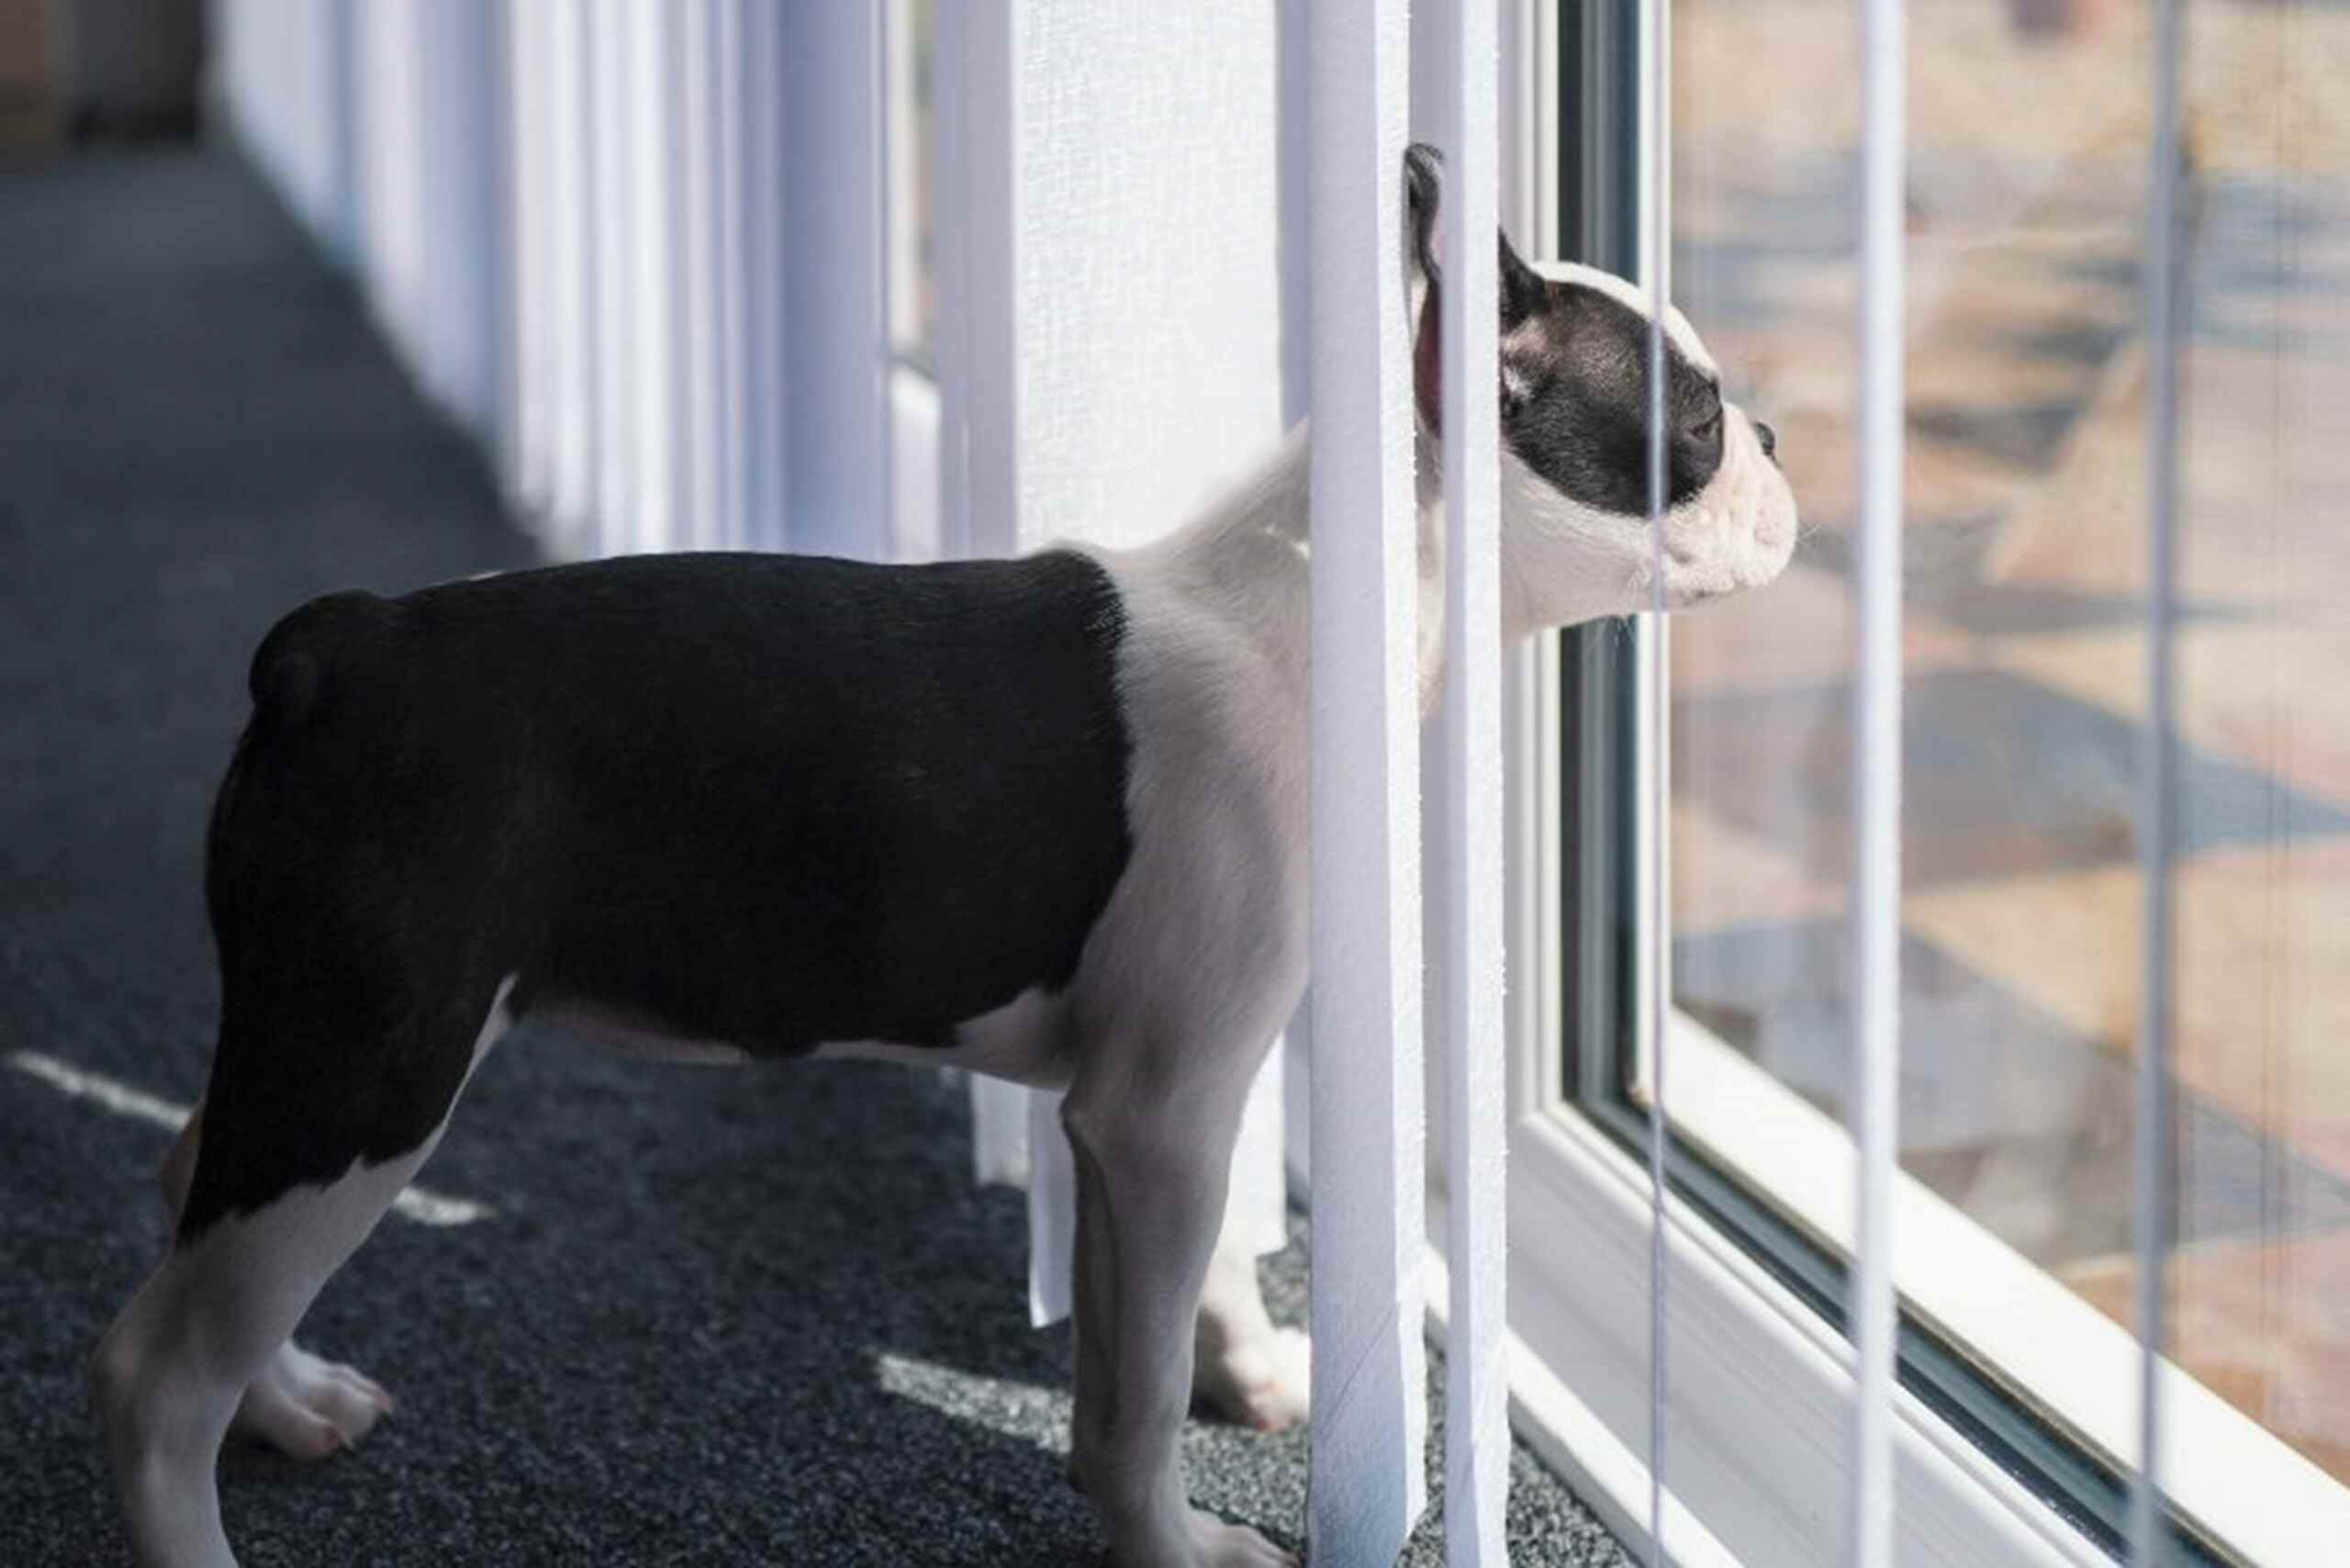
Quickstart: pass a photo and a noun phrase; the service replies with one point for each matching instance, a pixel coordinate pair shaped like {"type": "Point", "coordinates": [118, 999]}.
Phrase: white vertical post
{"type": "Point", "coordinates": [971, 162]}
{"type": "Point", "coordinates": [651, 237]}
{"type": "Point", "coordinates": [1653, 821]}
{"type": "Point", "coordinates": [836, 398]}
{"type": "Point", "coordinates": [392, 253]}
{"type": "Point", "coordinates": [570, 282]}
{"type": "Point", "coordinates": [612, 165]}
{"type": "Point", "coordinates": [430, 129]}
{"type": "Point", "coordinates": [1874, 1100]}
{"type": "Point", "coordinates": [462, 320]}
{"type": "Point", "coordinates": [1476, 1432]}
{"type": "Point", "coordinates": [285, 68]}
{"type": "Point", "coordinates": [905, 156]}
{"type": "Point", "coordinates": [2158, 804]}
{"type": "Point", "coordinates": [767, 457]}
{"type": "Point", "coordinates": [701, 274]}
{"type": "Point", "coordinates": [978, 391]}
{"type": "Point", "coordinates": [736, 337]}
{"type": "Point", "coordinates": [1367, 1484]}
{"type": "Point", "coordinates": [528, 474]}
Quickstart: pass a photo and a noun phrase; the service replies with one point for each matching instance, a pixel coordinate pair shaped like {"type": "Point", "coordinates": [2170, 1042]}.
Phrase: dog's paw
{"type": "Point", "coordinates": [1264, 1384]}
{"type": "Point", "coordinates": [307, 1408]}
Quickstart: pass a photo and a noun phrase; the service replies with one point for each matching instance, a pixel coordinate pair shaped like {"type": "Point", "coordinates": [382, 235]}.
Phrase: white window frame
{"type": "Point", "coordinates": [1761, 1394]}
{"type": "Point", "coordinates": [2223, 1468]}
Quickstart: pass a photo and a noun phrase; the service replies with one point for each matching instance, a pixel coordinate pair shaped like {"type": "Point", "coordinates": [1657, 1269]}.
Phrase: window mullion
{"type": "Point", "coordinates": [1367, 1484]}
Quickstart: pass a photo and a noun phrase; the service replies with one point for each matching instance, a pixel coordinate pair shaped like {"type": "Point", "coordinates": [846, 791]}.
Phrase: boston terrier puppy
{"type": "Point", "coordinates": [1042, 818]}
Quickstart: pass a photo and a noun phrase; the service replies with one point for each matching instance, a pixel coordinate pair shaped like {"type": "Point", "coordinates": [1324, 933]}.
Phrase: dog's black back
{"type": "Point", "coordinates": [812, 801]}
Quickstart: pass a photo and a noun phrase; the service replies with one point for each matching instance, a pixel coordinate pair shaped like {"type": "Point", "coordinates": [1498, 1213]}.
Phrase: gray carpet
{"type": "Point", "coordinates": [715, 1317]}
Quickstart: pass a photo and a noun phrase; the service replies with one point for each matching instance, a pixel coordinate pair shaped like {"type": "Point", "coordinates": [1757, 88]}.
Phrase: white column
{"type": "Point", "coordinates": [1876, 787]}
{"type": "Point", "coordinates": [282, 66]}
{"type": "Point", "coordinates": [527, 475]}
{"type": "Point", "coordinates": [755, 282]}
{"type": "Point", "coordinates": [837, 281]}
{"type": "Point", "coordinates": [730, 520]}
{"type": "Point", "coordinates": [2155, 1197]}
{"type": "Point", "coordinates": [1652, 828]}
{"type": "Point", "coordinates": [648, 113]}
{"type": "Point", "coordinates": [429, 144]}
{"type": "Point", "coordinates": [971, 210]}
{"type": "Point", "coordinates": [1476, 1131]}
{"type": "Point", "coordinates": [1369, 1416]}
{"type": "Point", "coordinates": [973, 165]}
{"type": "Point", "coordinates": [568, 282]}
{"type": "Point", "coordinates": [701, 281]}
{"type": "Point", "coordinates": [612, 421]}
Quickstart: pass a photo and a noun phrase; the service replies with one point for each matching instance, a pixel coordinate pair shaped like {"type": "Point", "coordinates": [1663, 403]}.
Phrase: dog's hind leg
{"type": "Point", "coordinates": [305, 1407]}
{"type": "Point", "coordinates": [1244, 1368]}
{"type": "Point", "coordinates": [280, 1195]}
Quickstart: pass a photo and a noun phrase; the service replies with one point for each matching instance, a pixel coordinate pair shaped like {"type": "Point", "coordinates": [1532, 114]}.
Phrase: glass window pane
{"type": "Point", "coordinates": [2024, 568]}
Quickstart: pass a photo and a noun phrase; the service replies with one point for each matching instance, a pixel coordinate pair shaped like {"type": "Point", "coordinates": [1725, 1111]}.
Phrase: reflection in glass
{"type": "Point", "coordinates": [2025, 554]}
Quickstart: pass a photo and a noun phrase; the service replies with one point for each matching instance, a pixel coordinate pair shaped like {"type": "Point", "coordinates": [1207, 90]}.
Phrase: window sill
{"type": "Point", "coordinates": [2222, 1469]}
{"type": "Point", "coordinates": [1762, 1392]}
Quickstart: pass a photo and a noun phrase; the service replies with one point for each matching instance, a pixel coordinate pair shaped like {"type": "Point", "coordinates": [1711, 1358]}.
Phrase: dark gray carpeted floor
{"type": "Point", "coordinates": [755, 1317]}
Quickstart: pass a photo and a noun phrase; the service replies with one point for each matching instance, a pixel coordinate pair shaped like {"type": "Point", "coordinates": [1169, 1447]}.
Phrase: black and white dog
{"type": "Point", "coordinates": [1040, 818]}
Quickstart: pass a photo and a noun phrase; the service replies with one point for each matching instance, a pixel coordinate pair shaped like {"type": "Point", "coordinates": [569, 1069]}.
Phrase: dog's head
{"type": "Point", "coordinates": [1576, 538]}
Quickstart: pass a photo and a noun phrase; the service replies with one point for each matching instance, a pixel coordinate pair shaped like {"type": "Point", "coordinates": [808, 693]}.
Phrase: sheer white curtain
{"type": "Point", "coordinates": [570, 220]}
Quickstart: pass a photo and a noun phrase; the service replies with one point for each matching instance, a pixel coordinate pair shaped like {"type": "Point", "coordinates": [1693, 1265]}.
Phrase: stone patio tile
{"type": "Point", "coordinates": [2263, 487]}
{"type": "Point", "coordinates": [2018, 1120]}
{"type": "Point", "coordinates": [2266, 694]}
{"type": "Point", "coordinates": [2263, 940]}
{"type": "Point", "coordinates": [1796, 633]}
{"type": "Point", "coordinates": [2000, 358]}
{"type": "Point", "coordinates": [1724, 876]}
{"type": "Point", "coordinates": [2003, 777]}
{"type": "Point", "coordinates": [2264, 1322]}
{"type": "Point", "coordinates": [1772, 81]}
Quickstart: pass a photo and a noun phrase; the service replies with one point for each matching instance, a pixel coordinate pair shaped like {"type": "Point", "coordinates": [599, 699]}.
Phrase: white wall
{"type": "Point", "coordinates": [1146, 287]}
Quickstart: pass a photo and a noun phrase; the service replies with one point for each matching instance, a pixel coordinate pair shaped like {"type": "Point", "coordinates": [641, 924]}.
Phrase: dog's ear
{"type": "Point", "coordinates": [1522, 293]}
{"type": "Point", "coordinates": [1527, 329]}
{"type": "Point", "coordinates": [1423, 190]}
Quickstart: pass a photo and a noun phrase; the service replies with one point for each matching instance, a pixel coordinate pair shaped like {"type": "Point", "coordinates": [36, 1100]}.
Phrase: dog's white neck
{"type": "Point", "coordinates": [1245, 559]}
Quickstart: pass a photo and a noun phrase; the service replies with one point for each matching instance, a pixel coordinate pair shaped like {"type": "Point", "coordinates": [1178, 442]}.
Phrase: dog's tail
{"type": "Point", "coordinates": [291, 669]}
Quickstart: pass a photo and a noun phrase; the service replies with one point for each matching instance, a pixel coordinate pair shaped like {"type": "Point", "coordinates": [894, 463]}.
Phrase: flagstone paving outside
{"type": "Point", "coordinates": [2025, 568]}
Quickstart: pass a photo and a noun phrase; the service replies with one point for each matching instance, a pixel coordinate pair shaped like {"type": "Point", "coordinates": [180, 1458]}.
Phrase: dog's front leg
{"type": "Point", "coordinates": [1151, 1180]}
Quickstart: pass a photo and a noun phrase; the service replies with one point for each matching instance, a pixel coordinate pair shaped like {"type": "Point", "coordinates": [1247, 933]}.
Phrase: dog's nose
{"type": "Point", "coordinates": [1769, 439]}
